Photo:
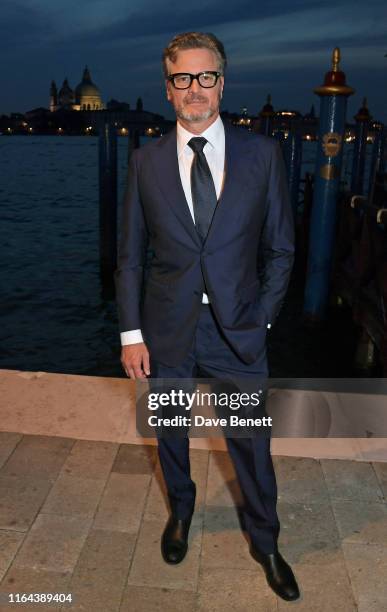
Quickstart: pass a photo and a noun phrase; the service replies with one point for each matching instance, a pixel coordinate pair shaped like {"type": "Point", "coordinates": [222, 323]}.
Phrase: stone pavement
{"type": "Point", "coordinates": [85, 517]}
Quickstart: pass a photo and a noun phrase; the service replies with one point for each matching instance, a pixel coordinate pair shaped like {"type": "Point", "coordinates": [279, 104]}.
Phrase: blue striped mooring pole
{"type": "Point", "coordinates": [333, 94]}
{"type": "Point", "coordinates": [362, 119]}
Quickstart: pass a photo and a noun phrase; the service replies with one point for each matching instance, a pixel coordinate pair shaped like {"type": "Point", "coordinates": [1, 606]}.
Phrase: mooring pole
{"type": "Point", "coordinates": [107, 199]}
{"type": "Point", "coordinates": [292, 148]}
{"type": "Point", "coordinates": [266, 117]}
{"type": "Point", "coordinates": [133, 141]}
{"type": "Point", "coordinates": [362, 119]}
{"type": "Point", "coordinates": [333, 94]}
{"type": "Point", "coordinates": [378, 158]}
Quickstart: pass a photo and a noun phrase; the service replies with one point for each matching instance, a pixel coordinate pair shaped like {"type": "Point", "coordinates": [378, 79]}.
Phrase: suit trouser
{"type": "Point", "coordinates": [212, 357]}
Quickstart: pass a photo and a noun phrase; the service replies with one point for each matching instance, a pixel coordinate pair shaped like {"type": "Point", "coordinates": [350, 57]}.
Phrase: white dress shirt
{"type": "Point", "coordinates": [214, 150]}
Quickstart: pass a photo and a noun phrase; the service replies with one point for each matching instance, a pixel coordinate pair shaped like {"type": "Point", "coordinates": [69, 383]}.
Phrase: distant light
{"type": "Point", "coordinates": [30, 129]}
{"type": "Point", "coordinates": [9, 130]}
{"type": "Point", "coordinates": [60, 130]}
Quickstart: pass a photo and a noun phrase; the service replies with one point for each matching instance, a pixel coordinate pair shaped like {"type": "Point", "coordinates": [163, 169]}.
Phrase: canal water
{"type": "Point", "coordinates": [54, 315]}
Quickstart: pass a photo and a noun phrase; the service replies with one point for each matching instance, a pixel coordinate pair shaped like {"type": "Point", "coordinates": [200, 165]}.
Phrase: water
{"type": "Point", "coordinates": [54, 315]}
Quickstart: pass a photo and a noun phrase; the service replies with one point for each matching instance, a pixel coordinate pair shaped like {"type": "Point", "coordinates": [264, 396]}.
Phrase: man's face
{"type": "Point", "coordinates": [196, 103]}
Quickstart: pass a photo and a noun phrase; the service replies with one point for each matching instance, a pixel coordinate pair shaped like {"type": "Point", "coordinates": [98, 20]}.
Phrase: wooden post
{"type": "Point", "coordinates": [107, 200]}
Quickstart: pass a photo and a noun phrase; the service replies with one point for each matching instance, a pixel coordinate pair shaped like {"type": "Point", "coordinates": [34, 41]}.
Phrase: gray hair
{"type": "Point", "coordinates": [194, 40]}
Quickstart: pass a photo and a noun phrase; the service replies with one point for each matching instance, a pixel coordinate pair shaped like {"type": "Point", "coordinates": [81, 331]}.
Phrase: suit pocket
{"type": "Point", "coordinates": [249, 293]}
{"type": "Point", "coordinates": [155, 283]}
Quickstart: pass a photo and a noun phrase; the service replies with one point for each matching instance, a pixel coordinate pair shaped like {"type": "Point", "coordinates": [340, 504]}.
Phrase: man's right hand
{"type": "Point", "coordinates": [135, 360]}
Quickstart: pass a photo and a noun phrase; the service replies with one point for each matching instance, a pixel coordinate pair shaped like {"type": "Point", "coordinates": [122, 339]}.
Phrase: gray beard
{"type": "Point", "coordinates": [194, 117]}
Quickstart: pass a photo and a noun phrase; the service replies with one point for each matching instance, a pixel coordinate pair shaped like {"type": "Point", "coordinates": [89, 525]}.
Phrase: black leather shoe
{"type": "Point", "coordinates": [174, 541]}
{"type": "Point", "coordinates": [279, 574]}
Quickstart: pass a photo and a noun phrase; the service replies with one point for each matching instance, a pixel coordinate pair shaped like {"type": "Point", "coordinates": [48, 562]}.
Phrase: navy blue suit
{"type": "Point", "coordinates": [244, 266]}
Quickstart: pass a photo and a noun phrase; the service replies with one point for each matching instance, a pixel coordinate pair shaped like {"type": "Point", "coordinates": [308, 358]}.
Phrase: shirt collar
{"type": "Point", "coordinates": [214, 134]}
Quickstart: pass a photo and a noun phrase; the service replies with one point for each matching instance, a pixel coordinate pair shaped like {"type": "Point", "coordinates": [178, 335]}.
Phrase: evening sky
{"type": "Point", "coordinates": [277, 46]}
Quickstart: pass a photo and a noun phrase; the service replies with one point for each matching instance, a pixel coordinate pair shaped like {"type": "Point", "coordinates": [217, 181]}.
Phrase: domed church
{"type": "Point", "coordinates": [85, 97]}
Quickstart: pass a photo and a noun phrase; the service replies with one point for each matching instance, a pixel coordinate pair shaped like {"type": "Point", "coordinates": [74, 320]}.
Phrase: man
{"type": "Point", "coordinates": [205, 255]}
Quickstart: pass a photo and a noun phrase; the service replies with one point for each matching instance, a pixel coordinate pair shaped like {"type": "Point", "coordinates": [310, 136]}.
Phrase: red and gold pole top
{"type": "Point", "coordinates": [363, 114]}
{"type": "Point", "coordinates": [334, 82]}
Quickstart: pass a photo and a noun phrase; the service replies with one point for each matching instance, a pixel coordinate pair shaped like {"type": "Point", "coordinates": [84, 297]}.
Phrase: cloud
{"type": "Point", "coordinates": [101, 20]}
{"type": "Point", "coordinates": [277, 43]}
{"type": "Point", "coordinates": [21, 24]}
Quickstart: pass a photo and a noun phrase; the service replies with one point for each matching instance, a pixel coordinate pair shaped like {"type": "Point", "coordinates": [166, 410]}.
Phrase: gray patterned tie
{"type": "Point", "coordinates": [202, 187]}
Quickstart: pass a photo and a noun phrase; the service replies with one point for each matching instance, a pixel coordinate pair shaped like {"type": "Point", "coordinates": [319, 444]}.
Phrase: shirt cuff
{"type": "Point", "coordinates": [131, 337]}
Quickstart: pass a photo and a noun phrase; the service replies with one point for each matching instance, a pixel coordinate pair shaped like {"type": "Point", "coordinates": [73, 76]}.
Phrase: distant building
{"type": "Point", "coordinates": [115, 105]}
{"type": "Point", "coordinates": [282, 121]}
{"type": "Point", "coordinates": [86, 95]}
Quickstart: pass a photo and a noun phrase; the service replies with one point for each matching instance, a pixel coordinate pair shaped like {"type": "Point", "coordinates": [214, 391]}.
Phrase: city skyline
{"type": "Point", "coordinates": [271, 47]}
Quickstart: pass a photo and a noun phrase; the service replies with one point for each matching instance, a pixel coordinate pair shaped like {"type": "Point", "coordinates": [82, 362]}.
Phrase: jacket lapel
{"type": "Point", "coordinates": [233, 182]}
{"type": "Point", "coordinates": [166, 170]}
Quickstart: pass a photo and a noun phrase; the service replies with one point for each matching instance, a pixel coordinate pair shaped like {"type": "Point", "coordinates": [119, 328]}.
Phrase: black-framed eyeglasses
{"type": "Point", "coordinates": [183, 80]}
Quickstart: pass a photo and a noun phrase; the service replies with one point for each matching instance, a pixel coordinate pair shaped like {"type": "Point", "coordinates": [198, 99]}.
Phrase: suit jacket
{"type": "Point", "coordinates": [244, 265]}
